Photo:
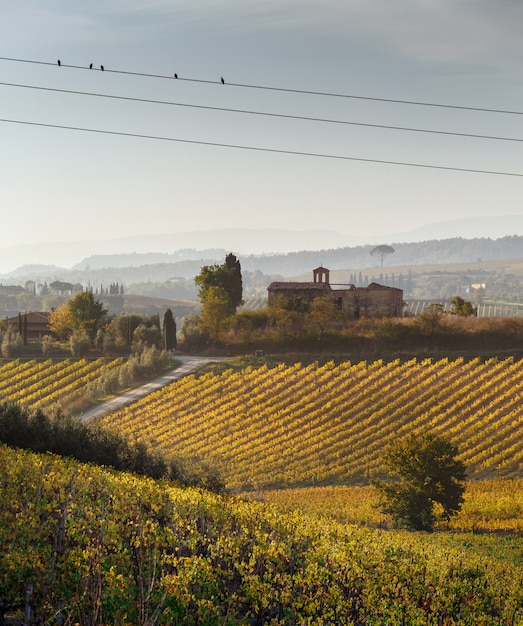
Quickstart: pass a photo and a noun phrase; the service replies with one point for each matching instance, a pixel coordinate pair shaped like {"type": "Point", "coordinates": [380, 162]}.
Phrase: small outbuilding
{"type": "Point", "coordinates": [37, 324]}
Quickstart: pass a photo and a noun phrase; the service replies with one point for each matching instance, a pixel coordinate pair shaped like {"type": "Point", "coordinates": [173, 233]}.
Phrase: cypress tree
{"type": "Point", "coordinates": [169, 330]}
{"type": "Point", "coordinates": [235, 286]}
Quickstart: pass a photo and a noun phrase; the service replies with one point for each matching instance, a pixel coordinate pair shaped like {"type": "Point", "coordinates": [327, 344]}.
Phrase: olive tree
{"type": "Point", "coordinates": [426, 481]}
{"type": "Point", "coordinates": [11, 344]}
{"type": "Point", "coordinates": [430, 320]}
{"type": "Point", "coordinates": [79, 343]}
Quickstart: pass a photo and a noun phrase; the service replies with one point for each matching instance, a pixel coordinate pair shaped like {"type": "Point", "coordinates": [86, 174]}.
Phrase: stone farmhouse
{"type": "Point", "coordinates": [355, 302]}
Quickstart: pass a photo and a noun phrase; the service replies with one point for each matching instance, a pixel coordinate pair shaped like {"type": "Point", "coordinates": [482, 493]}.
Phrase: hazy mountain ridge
{"type": "Point", "coordinates": [456, 250]}
{"type": "Point", "coordinates": [480, 227]}
{"type": "Point", "coordinates": [137, 259]}
{"type": "Point", "coordinates": [166, 247]}
{"type": "Point", "coordinates": [240, 241]}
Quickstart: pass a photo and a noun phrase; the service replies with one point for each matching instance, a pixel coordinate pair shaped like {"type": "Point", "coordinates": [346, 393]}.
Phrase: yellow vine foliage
{"type": "Point", "coordinates": [81, 544]}
{"type": "Point", "coordinates": [48, 384]}
{"type": "Point", "coordinates": [490, 506]}
{"type": "Point", "coordinates": [316, 424]}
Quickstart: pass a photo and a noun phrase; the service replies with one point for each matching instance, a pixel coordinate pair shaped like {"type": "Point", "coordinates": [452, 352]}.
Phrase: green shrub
{"type": "Point", "coordinates": [92, 443]}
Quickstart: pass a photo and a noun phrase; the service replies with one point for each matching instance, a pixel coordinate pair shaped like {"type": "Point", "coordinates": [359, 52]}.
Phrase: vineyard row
{"type": "Point", "coordinates": [298, 425]}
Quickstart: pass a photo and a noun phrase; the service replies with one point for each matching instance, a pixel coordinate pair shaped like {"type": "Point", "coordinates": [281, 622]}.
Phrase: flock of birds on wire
{"type": "Point", "coordinates": [102, 68]}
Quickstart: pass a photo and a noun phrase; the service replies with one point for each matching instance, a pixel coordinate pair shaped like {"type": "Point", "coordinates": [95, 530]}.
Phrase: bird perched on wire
{"type": "Point", "coordinates": [102, 67]}
{"type": "Point", "coordinates": [223, 82]}
{"type": "Point", "coordinates": [90, 66]}
{"type": "Point", "coordinates": [59, 62]}
{"type": "Point", "coordinates": [175, 75]}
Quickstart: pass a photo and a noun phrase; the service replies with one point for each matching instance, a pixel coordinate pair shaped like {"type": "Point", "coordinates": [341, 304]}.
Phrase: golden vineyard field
{"type": "Point", "coordinates": [49, 384]}
{"type": "Point", "coordinates": [310, 424]}
{"type": "Point", "coordinates": [490, 506]}
{"type": "Point", "coordinates": [83, 545]}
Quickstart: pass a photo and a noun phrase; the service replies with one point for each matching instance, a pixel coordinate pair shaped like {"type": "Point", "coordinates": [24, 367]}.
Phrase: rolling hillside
{"type": "Point", "coordinates": [309, 425]}
{"type": "Point", "coordinates": [82, 545]}
{"type": "Point", "coordinates": [298, 425]}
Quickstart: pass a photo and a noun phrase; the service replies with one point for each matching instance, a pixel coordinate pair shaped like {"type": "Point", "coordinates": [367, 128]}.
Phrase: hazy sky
{"type": "Point", "coordinates": [59, 185]}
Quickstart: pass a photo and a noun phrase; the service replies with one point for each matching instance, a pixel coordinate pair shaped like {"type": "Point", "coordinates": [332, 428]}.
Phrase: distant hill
{"type": "Point", "coordinates": [494, 226]}
{"type": "Point", "coordinates": [241, 241]}
{"type": "Point", "coordinates": [135, 259]}
{"type": "Point", "coordinates": [113, 268]}
{"type": "Point", "coordinates": [147, 305]}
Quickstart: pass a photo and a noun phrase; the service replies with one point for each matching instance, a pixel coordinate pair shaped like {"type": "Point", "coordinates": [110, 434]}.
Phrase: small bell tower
{"type": "Point", "coordinates": [321, 275]}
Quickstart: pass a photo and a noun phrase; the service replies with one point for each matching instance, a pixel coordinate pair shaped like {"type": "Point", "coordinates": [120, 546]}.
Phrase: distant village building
{"type": "Point", "coordinates": [37, 324]}
{"type": "Point", "coordinates": [11, 290]}
{"type": "Point", "coordinates": [64, 289]}
{"type": "Point", "coordinates": [355, 302]}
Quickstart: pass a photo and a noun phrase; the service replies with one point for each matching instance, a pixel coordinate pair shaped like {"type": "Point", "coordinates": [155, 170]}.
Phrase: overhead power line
{"type": "Point", "coordinates": [219, 80]}
{"type": "Point", "coordinates": [260, 149]}
{"type": "Point", "coordinates": [264, 113]}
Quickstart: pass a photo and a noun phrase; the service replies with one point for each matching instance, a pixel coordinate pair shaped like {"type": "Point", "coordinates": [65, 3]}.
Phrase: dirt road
{"type": "Point", "coordinates": [188, 365]}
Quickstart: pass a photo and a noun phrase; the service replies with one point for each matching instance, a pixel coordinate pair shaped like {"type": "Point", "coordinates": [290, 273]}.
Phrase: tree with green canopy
{"type": "Point", "coordinates": [81, 313]}
{"type": "Point", "coordinates": [426, 481]}
{"type": "Point", "coordinates": [216, 309]}
{"type": "Point", "coordinates": [87, 313]}
{"type": "Point", "coordinates": [227, 277]}
{"type": "Point", "coordinates": [459, 306]}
